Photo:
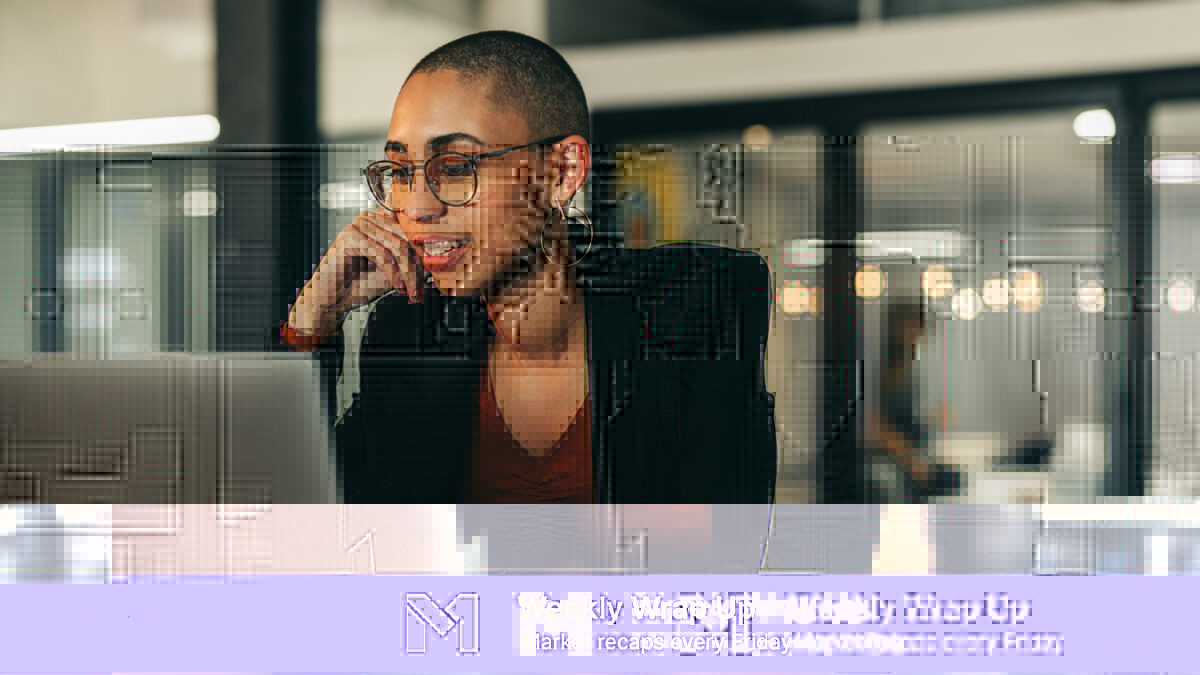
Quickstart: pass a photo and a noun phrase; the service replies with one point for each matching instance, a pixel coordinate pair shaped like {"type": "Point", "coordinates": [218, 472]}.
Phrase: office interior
{"type": "Point", "coordinates": [1027, 170]}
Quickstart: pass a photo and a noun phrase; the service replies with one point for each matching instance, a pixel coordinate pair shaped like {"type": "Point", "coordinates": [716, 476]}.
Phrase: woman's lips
{"type": "Point", "coordinates": [442, 263]}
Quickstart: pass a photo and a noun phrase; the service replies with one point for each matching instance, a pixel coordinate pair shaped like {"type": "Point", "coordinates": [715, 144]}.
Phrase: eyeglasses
{"type": "Point", "coordinates": [453, 177]}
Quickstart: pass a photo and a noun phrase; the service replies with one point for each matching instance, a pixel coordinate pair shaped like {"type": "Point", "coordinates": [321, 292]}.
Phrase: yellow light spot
{"type": "Point", "coordinates": [1027, 291]}
{"type": "Point", "coordinates": [937, 281]}
{"type": "Point", "coordinates": [869, 281]}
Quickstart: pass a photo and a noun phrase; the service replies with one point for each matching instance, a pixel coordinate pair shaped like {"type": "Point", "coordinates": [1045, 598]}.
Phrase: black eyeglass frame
{"type": "Point", "coordinates": [474, 161]}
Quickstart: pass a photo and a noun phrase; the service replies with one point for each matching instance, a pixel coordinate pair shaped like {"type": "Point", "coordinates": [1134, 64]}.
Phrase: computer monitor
{"type": "Point", "coordinates": [164, 428]}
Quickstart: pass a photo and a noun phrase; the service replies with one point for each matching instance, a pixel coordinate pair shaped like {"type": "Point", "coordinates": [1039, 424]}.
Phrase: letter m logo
{"type": "Point", "coordinates": [423, 614]}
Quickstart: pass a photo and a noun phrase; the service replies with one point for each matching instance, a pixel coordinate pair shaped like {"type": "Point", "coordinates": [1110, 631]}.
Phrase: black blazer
{"type": "Point", "coordinates": [680, 411]}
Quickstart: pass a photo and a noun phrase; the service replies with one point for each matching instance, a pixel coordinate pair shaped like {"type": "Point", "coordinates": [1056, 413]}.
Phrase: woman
{"type": "Point", "coordinates": [898, 432]}
{"type": "Point", "coordinates": [494, 370]}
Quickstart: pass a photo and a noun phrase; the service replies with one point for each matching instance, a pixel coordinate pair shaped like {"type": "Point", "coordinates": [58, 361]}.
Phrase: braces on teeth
{"type": "Point", "coordinates": [441, 248]}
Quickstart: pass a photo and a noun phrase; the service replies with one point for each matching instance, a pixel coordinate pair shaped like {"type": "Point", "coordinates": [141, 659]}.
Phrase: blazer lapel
{"type": "Point", "coordinates": [598, 383]}
{"type": "Point", "coordinates": [611, 344]}
{"type": "Point", "coordinates": [421, 369]}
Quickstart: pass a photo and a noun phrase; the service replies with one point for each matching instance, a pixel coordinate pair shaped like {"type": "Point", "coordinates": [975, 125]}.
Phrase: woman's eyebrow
{"type": "Point", "coordinates": [440, 142]}
{"type": "Point", "coordinates": [436, 144]}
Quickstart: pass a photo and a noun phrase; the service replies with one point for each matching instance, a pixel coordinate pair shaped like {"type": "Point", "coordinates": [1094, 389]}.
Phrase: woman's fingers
{"type": "Point", "coordinates": [401, 256]}
{"type": "Point", "coordinates": [369, 256]}
{"type": "Point", "coordinates": [370, 286]}
{"type": "Point", "coordinates": [399, 225]}
{"type": "Point", "coordinates": [361, 260]}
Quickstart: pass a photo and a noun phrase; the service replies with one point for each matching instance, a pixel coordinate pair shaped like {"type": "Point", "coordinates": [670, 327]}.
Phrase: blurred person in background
{"type": "Point", "coordinates": [897, 434]}
{"type": "Point", "coordinates": [509, 357]}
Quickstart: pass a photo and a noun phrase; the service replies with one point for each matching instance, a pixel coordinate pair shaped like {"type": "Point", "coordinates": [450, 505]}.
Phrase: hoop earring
{"type": "Point", "coordinates": [542, 239]}
{"type": "Point", "coordinates": [582, 216]}
{"type": "Point", "coordinates": [578, 214]}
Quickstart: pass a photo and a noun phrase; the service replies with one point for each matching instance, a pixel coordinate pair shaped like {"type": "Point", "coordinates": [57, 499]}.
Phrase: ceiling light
{"type": "Point", "coordinates": [1095, 126]}
{"type": "Point", "coordinates": [156, 131]}
{"type": "Point", "coordinates": [966, 304]}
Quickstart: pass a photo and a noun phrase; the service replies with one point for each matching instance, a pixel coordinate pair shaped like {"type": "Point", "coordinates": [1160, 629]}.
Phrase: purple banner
{"type": "Point", "coordinates": [645, 624]}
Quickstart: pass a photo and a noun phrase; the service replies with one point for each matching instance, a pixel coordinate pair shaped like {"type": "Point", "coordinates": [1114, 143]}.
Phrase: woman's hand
{"type": "Point", "coordinates": [368, 258]}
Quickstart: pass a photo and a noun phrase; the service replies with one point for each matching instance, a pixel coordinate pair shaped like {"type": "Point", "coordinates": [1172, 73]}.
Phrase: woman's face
{"type": "Point", "coordinates": [444, 112]}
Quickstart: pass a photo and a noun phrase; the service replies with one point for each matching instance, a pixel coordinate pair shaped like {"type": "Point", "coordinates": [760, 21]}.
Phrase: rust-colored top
{"type": "Point", "coordinates": [502, 472]}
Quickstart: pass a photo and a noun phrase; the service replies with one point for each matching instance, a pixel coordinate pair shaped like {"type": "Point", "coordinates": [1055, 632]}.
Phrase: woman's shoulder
{"type": "Point", "coordinates": [688, 298]}
{"type": "Point", "coordinates": [686, 265]}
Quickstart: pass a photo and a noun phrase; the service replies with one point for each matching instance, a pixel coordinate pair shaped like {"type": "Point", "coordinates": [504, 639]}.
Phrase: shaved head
{"type": "Point", "coordinates": [520, 73]}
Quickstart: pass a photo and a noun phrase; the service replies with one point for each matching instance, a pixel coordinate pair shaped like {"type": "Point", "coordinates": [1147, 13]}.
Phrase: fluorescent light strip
{"type": "Point", "coordinates": [937, 244]}
{"type": "Point", "coordinates": [1175, 168]}
{"type": "Point", "coordinates": [884, 245]}
{"type": "Point", "coordinates": [156, 131]}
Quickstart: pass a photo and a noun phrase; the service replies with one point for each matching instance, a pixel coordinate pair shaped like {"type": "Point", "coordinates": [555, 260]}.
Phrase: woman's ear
{"type": "Point", "coordinates": [574, 162]}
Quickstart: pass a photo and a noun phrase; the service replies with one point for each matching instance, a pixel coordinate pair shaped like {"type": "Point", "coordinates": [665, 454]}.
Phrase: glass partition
{"type": "Point", "coordinates": [998, 227]}
{"type": "Point", "coordinates": [1175, 193]}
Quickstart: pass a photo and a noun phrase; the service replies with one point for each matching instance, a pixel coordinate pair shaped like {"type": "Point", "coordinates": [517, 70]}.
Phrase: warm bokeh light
{"type": "Point", "coordinates": [797, 298]}
{"type": "Point", "coordinates": [1090, 297]}
{"type": "Point", "coordinates": [966, 304]}
{"type": "Point", "coordinates": [870, 281]}
{"type": "Point", "coordinates": [937, 281]}
{"type": "Point", "coordinates": [1027, 291]}
{"type": "Point", "coordinates": [1181, 297]}
{"type": "Point", "coordinates": [757, 135]}
{"type": "Point", "coordinates": [996, 294]}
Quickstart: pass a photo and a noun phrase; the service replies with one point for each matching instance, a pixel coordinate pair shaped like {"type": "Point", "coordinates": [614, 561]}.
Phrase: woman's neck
{"type": "Point", "coordinates": [539, 316]}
